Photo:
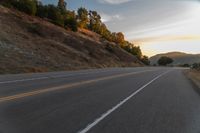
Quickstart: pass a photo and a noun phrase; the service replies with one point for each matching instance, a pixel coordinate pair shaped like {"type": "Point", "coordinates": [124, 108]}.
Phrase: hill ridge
{"type": "Point", "coordinates": [179, 58]}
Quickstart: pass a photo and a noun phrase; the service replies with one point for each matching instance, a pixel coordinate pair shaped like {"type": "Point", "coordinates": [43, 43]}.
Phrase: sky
{"type": "Point", "coordinates": [157, 26]}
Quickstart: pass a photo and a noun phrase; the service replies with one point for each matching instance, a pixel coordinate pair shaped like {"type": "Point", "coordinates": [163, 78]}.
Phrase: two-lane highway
{"type": "Point", "coordinates": [117, 100]}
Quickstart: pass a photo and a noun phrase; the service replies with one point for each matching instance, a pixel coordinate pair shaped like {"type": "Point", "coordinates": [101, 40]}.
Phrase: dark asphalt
{"type": "Point", "coordinates": [169, 104]}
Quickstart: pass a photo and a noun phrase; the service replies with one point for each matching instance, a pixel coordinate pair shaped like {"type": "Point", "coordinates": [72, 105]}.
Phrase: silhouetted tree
{"type": "Point", "coordinates": [70, 21]}
{"type": "Point", "coordinates": [62, 5]}
{"type": "Point", "coordinates": [27, 6]}
{"type": "Point", "coordinates": [145, 60]}
{"type": "Point", "coordinates": [55, 15]}
{"type": "Point", "coordinates": [164, 60]}
{"type": "Point", "coordinates": [42, 11]}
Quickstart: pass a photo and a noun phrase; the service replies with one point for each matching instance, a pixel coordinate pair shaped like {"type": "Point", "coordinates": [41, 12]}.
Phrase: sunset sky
{"type": "Point", "coordinates": [156, 25]}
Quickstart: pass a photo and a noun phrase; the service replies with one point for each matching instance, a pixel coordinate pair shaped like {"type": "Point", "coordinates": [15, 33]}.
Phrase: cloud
{"type": "Point", "coordinates": [115, 2]}
{"type": "Point", "coordinates": [166, 39]}
{"type": "Point", "coordinates": [108, 18]}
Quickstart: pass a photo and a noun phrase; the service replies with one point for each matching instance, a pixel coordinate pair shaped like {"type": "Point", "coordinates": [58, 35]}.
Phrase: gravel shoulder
{"type": "Point", "coordinates": [194, 77]}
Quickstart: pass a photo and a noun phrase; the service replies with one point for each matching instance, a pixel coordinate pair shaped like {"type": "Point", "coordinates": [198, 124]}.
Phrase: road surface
{"type": "Point", "coordinates": [115, 100]}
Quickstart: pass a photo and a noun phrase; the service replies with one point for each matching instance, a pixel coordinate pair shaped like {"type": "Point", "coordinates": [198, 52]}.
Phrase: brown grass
{"type": "Point", "coordinates": [194, 76]}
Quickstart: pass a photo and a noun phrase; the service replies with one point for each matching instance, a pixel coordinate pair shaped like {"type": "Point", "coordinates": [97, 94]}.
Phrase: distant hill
{"type": "Point", "coordinates": [31, 44]}
{"type": "Point", "coordinates": [178, 57]}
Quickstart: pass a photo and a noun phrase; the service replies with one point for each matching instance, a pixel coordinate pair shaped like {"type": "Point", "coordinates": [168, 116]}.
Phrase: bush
{"type": "Point", "coordinates": [72, 24]}
{"type": "Point", "coordinates": [184, 65]}
{"type": "Point", "coordinates": [109, 48]}
{"type": "Point", "coordinates": [196, 66]}
{"type": "Point", "coordinates": [34, 29]}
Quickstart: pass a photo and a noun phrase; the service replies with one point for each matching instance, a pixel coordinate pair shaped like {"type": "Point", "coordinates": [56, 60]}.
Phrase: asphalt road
{"type": "Point", "coordinates": [116, 100]}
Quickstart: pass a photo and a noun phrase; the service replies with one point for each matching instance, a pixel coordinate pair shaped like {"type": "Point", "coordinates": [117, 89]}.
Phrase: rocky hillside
{"type": "Point", "coordinates": [31, 44]}
{"type": "Point", "coordinates": [178, 57]}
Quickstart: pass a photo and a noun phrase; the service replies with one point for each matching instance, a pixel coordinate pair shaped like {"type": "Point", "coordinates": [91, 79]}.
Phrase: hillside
{"type": "Point", "coordinates": [31, 44]}
{"type": "Point", "coordinates": [178, 57]}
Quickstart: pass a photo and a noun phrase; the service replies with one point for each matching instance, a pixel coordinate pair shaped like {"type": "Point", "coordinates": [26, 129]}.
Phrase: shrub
{"type": "Point", "coordinates": [72, 24]}
{"type": "Point", "coordinates": [185, 65]}
{"type": "Point", "coordinates": [34, 29]}
{"type": "Point", "coordinates": [196, 66]}
{"type": "Point", "coordinates": [109, 48]}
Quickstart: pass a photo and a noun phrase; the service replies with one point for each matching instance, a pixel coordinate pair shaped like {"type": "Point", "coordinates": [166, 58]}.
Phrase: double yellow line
{"type": "Point", "coordinates": [41, 91]}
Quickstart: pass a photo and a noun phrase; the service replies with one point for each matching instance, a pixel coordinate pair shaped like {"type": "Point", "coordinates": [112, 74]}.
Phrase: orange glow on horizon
{"type": "Point", "coordinates": [142, 41]}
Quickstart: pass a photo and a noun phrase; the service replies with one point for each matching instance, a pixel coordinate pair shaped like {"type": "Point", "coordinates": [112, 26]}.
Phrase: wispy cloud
{"type": "Point", "coordinates": [114, 1]}
{"type": "Point", "coordinates": [166, 39]}
{"type": "Point", "coordinates": [124, 1]}
{"type": "Point", "coordinates": [109, 18]}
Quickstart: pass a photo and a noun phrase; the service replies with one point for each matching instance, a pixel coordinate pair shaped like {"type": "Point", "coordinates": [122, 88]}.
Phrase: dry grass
{"type": "Point", "coordinates": [31, 44]}
{"type": "Point", "coordinates": [194, 76]}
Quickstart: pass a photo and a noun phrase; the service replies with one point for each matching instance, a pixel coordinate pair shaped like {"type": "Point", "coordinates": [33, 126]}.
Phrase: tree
{"type": "Point", "coordinates": [120, 38]}
{"type": "Point", "coordinates": [95, 22]}
{"type": "Point", "coordinates": [62, 6]}
{"type": "Point", "coordinates": [164, 60]}
{"type": "Point", "coordinates": [135, 50]}
{"type": "Point", "coordinates": [42, 11]}
{"type": "Point", "coordinates": [145, 60]}
{"type": "Point", "coordinates": [83, 17]}
{"type": "Point", "coordinates": [27, 6]}
{"type": "Point", "coordinates": [55, 15]}
{"type": "Point", "coordinates": [70, 21]}
{"type": "Point", "coordinates": [108, 35]}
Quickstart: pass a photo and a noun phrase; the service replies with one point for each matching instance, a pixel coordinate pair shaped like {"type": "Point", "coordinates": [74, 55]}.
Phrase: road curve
{"type": "Point", "coordinates": [115, 100]}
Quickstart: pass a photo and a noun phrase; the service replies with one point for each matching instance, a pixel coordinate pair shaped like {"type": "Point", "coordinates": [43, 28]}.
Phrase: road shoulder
{"type": "Point", "coordinates": [194, 77]}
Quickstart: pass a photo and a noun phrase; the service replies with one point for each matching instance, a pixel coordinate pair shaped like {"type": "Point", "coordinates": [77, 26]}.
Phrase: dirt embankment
{"type": "Point", "coordinates": [31, 44]}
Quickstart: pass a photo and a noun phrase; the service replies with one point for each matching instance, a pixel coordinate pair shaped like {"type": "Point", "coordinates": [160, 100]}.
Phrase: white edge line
{"type": "Point", "coordinates": [91, 125]}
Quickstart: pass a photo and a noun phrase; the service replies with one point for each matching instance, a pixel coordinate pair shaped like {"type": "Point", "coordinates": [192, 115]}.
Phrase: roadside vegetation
{"type": "Point", "coordinates": [74, 20]}
{"type": "Point", "coordinates": [194, 74]}
{"type": "Point", "coordinates": [196, 66]}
